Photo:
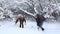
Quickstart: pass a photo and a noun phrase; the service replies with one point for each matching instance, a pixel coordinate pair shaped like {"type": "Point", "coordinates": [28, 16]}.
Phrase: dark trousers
{"type": "Point", "coordinates": [21, 25]}
{"type": "Point", "coordinates": [39, 24]}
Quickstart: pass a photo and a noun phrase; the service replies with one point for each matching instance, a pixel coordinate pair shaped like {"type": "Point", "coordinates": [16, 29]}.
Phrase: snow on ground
{"type": "Point", "coordinates": [9, 27]}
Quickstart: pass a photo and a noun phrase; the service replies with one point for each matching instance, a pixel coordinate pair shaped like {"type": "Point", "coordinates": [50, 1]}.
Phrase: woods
{"type": "Point", "coordinates": [29, 8]}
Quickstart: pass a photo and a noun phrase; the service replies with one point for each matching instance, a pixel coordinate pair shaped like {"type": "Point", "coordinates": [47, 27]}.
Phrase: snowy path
{"type": "Point", "coordinates": [8, 27]}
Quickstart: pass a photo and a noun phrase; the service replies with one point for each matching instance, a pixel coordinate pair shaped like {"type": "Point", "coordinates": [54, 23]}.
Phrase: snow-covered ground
{"type": "Point", "coordinates": [9, 27]}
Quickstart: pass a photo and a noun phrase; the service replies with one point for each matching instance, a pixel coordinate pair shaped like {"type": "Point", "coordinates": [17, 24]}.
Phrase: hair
{"type": "Point", "coordinates": [20, 15]}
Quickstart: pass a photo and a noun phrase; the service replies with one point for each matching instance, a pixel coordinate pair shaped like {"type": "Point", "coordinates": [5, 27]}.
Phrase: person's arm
{"type": "Point", "coordinates": [24, 20]}
{"type": "Point", "coordinates": [16, 21]}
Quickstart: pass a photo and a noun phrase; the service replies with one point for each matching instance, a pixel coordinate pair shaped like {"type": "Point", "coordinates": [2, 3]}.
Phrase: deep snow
{"type": "Point", "coordinates": [9, 27]}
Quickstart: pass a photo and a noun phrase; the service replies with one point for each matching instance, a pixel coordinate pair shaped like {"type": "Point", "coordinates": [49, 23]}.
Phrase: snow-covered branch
{"type": "Point", "coordinates": [27, 12]}
{"type": "Point", "coordinates": [35, 10]}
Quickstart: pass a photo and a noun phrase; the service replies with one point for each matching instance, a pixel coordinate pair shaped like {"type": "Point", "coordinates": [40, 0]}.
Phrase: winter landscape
{"type": "Point", "coordinates": [8, 27]}
{"type": "Point", "coordinates": [10, 9]}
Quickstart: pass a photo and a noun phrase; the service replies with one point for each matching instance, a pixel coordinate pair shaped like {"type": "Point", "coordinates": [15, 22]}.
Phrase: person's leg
{"type": "Point", "coordinates": [41, 23]}
{"type": "Point", "coordinates": [22, 25]}
{"type": "Point", "coordinates": [38, 26]}
{"type": "Point", "coordinates": [42, 28]}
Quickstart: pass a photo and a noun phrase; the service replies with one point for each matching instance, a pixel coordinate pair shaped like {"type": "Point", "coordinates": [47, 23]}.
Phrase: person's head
{"type": "Point", "coordinates": [36, 15]}
{"type": "Point", "coordinates": [20, 15]}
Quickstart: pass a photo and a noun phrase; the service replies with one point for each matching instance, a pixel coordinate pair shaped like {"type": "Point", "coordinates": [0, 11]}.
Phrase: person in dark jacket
{"type": "Point", "coordinates": [39, 19]}
{"type": "Point", "coordinates": [21, 19]}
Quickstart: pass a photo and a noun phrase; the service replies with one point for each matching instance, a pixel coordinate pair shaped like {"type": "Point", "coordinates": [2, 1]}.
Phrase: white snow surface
{"type": "Point", "coordinates": [9, 27]}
